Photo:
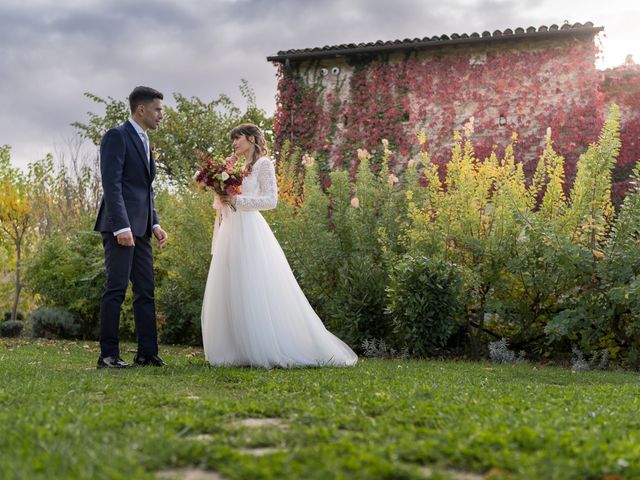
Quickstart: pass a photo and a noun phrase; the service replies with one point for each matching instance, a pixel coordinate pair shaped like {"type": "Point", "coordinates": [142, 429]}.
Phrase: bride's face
{"type": "Point", "coordinates": [242, 146]}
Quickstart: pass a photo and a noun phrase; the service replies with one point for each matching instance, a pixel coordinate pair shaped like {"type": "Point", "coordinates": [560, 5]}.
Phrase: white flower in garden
{"type": "Point", "coordinates": [307, 160]}
{"type": "Point", "coordinates": [385, 142]}
{"type": "Point", "coordinates": [224, 176]}
{"type": "Point", "coordinates": [363, 154]}
{"type": "Point", "coordinates": [392, 179]}
{"type": "Point", "coordinates": [411, 163]}
{"type": "Point", "coordinates": [548, 132]}
{"type": "Point", "coordinates": [355, 203]}
{"type": "Point", "coordinates": [468, 127]}
{"type": "Point", "coordinates": [210, 150]}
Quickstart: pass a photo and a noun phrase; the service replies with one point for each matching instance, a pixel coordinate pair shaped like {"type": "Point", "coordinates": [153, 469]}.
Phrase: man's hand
{"type": "Point", "coordinates": [161, 236]}
{"type": "Point", "coordinates": [125, 239]}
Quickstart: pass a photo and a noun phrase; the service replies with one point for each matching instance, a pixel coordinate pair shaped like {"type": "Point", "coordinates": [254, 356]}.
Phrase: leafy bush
{"type": "Point", "coordinates": [54, 323]}
{"type": "Point", "coordinates": [7, 316]}
{"type": "Point", "coordinates": [600, 309]}
{"type": "Point", "coordinates": [182, 267]}
{"type": "Point", "coordinates": [357, 307]}
{"type": "Point", "coordinates": [333, 243]}
{"type": "Point", "coordinates": [11, 328]}
{"type": "Point", "coordinates": [424, 300]}
{"type": "Point", "coordinates": [538, 261]}
{"type": "Point", "coordinates": [67, 271]}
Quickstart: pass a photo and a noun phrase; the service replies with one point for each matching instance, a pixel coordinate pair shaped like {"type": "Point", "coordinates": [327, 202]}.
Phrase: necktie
{"type": "Point", "coordinates": [145, 141]}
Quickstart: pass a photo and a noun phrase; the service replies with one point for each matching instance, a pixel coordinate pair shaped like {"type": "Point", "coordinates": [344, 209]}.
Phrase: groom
{"type": "Point", "coordinates": [126, 220]}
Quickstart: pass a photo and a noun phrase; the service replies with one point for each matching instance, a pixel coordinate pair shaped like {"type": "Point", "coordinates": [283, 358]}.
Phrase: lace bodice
{"type": "Point", "coordinates": [259, 188]}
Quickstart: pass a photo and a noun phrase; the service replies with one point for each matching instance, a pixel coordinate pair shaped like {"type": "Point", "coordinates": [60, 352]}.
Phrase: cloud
{"type": "Point", "coordinates": [51, 51]}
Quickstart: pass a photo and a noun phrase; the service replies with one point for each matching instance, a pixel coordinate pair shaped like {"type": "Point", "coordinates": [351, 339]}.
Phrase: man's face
{"type": "Point", "coordinates": [151, 114]}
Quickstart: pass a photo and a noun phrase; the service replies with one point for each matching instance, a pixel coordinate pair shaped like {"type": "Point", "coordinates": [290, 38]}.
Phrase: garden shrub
{"type": "Point", "coordinates": [11, 328]}
{"type": "Point", "coordinates": [333, 243]}
{"type": "Point", "coordinates": [19, 316]}
{"type": "Point", "coordinates": [54, 323]}
{"type": "Point", "coordinates": [424, 302]}
{"type": "Point", "coordinates": [182, 267]}
{"type": "Point", "coordinates": [67, 271]}
{"type": "Point", "coordinates": [398, 255]}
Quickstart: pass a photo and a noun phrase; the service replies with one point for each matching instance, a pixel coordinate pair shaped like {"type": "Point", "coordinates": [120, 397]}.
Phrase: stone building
{"type": "Point", "coordinates": [335, 99]}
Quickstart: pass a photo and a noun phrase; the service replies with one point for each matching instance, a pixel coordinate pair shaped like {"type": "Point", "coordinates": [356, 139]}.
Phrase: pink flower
{"type": "Point", "coordinates": [355, 203]}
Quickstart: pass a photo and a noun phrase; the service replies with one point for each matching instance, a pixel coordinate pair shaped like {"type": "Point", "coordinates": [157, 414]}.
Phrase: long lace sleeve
{"type": "Point", "coordinates": [267, 196]}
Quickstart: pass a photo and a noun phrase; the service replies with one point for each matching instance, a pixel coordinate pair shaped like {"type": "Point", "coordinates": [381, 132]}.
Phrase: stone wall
{"type": "Point", "coordinates": [335, 106]}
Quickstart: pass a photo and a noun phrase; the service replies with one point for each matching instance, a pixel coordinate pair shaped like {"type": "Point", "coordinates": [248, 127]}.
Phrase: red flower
{"type": "Point", "coordinates": [222, 176]}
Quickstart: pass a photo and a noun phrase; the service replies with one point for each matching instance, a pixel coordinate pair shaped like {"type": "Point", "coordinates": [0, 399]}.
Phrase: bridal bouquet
{"type": "Point", "coordinates": [222, 176]}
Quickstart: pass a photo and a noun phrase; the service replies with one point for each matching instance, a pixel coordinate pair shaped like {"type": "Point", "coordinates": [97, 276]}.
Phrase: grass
{"type": "Point", "coordinates": [62, 418]}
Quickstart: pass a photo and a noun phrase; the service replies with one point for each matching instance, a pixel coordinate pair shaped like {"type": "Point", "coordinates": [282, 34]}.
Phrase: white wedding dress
{"type": "Point", "coordinates": [254, 312]}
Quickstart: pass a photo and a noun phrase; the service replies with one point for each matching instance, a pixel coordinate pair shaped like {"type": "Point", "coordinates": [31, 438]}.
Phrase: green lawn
{"type": "Point", "coordinates": [62, 418]}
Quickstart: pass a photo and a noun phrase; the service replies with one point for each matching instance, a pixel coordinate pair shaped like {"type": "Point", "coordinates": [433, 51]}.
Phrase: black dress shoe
{"type": "Point", "coordinates": [112, 362]}
{"type": "Point", "coordinates": [145, 361]}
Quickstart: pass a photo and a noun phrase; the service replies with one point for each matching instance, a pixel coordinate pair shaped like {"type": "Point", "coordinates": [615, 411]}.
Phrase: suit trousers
{"type": "Point", "coordinates": [124, 264]}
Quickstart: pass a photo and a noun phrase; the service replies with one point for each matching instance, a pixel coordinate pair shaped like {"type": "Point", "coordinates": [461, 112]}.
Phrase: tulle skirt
{"type": "Point", "coordinates": [254, 312]}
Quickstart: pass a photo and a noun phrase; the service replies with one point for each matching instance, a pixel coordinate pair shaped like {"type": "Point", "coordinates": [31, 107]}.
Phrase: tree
{"type": "Point", "coordinates": [191, 125]}
{"type": "Point", "coordinates": [16, 217]}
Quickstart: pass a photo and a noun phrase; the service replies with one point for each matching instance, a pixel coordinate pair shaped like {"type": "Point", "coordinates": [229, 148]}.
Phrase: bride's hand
{"type": "Point", "coordinates": [228, 199]}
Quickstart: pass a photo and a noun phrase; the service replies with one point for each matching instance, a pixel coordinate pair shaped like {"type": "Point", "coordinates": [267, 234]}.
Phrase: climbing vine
{"type": "Point", "coordinates": [525, 90]}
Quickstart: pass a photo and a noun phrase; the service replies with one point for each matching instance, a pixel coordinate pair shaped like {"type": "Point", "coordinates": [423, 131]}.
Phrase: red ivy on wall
{"type": "Point", "coordinates": [533, 87]}
{"type": "Point", "coordinates": [621, 85]}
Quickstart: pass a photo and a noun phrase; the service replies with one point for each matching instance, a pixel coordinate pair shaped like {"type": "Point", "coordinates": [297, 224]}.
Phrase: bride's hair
{"type": "Point", "coordinates": [250, 130]}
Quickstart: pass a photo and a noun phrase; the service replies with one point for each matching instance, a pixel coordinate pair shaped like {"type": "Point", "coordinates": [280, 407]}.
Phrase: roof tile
{"type": "Point", "coordinates": [435, 41]}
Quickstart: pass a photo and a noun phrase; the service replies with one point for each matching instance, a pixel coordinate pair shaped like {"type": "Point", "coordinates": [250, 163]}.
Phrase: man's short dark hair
{"type": "Point", "coordinates": [143, 95]}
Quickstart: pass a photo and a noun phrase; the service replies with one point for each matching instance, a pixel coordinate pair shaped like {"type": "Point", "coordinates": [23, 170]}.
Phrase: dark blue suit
{"type": "Point", "coordinates": [127, 202]}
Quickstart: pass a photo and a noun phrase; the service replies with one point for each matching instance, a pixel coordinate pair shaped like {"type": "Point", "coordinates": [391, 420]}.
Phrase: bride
{"type": "Point", "coordinates": [253, 312]}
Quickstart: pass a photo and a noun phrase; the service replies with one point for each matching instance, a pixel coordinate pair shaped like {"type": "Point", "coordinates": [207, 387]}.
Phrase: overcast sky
{"type": "Point", "coordinates": [52, 51]}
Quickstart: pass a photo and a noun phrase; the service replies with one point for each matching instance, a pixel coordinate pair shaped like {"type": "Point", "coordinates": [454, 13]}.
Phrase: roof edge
{"type": "Point", "coordinates": [434, 42]}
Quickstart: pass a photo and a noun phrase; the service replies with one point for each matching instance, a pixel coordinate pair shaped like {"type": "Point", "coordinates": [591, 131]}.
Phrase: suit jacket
{"type": "Point", "coordinates": [127, 179]}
